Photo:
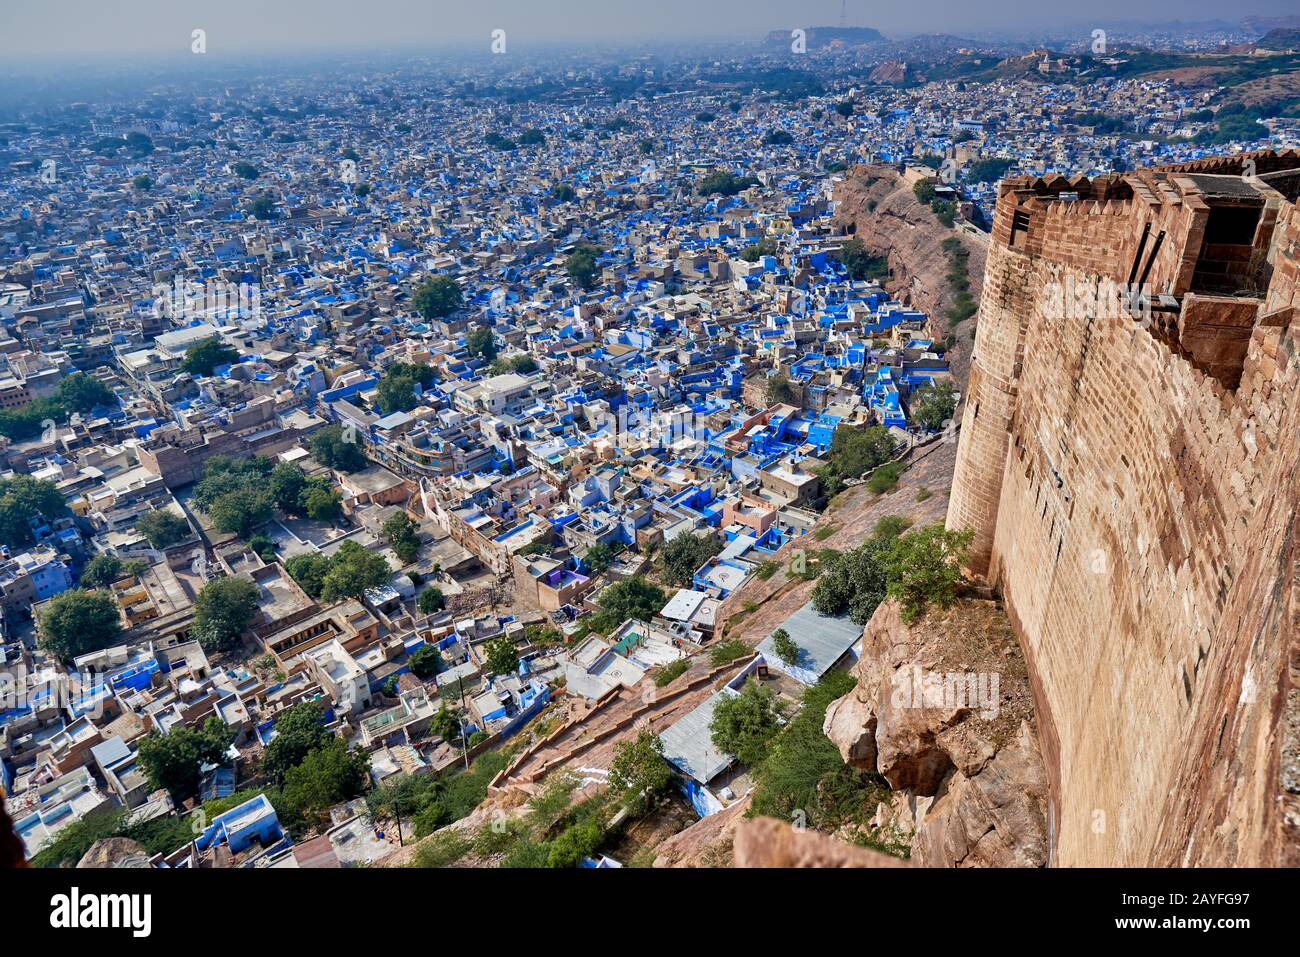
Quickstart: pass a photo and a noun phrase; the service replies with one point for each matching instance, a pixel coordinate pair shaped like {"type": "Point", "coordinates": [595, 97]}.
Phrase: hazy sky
{"type": "Point", "coordinates": [114, 27]}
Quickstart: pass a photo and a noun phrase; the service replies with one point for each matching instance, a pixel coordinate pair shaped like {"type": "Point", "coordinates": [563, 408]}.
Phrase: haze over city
{"type": "Point", "coordinates": [160, 27]}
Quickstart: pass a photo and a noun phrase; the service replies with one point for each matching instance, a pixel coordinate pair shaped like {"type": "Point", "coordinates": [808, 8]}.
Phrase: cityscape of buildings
{"type": "Point", "coordinates": [445, 424]}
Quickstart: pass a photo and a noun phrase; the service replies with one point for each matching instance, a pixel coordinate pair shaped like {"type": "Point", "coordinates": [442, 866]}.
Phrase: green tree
{"type": "Point", "coordinates": [854, 582]}
{"type": "Point", "coordinates": [162, 528]}
{"type": "Point", "coordinates": [437, 297]}
{"type": "Point", "coordinates": [142, 183]}
{"type": "Point", "coordinates": [263, 546]}
{"type": "Point", "coordinates": [479, 342]}
{"type": "Point", "coordinates": [578, 841]}
{"type": "Point", "coordinates": [245, 170]}
{"type": "Point", "coordinates": [286, 485]}
{"type": "Point", "coordinates": [22, 500]}
{"type": "Point", "coordinates": [779, 389]}
{"type": "Point", "coordinates": [523, 364]}
{"type": "Point", "coordinates": [755, 251]}
{"type": "Point", "coordinates": [885, 478]}
{"type": "Point", "coordinates": [724, 183]}
{"type": "Point", "coordinates": [685, 554]}
{"type": "Point", "coordinates": [309, 570]}
{"type": "Point", "coordinates": [336, 448]}
{"type": "Point", "coordinates": [240, 512]}
{"type": "Point", "coordinates": [431, 600]}
{"type": "Point", "coordinates": [326, 776]}
{"type": "Point", "coordinates": [352, 571]}
{"type": "Point", "coordinates": [102, 570]}
{"type": "Point", "coordinates": [298, 732]}
{"type": "Point", "coordinates": [81, 393]}
{"type": "Point", "coordinates": [860, 263]}
{"type": "Point", "coordinates": [396, 394]}
{"type": "Point", "coordinates": [854, 452]}
{"type": "Point", "coordinates": [933, 405]}
{"type": "Point", "coordinates": [599, 557]}
{"type": "Point", "coordinates": [744, 724]}
{"type": "Point", "coordinates": [502, 656]}
{"type": "Point", "coordinates": [202, 357]}
{"type": "Point", "coordinates": [629, 598]}
{"type": "Point", "coordinates": [175, 760]}
{"type": "Point", "coordinates": [262, 207]}
{"type": "Point", "coordinates": [78, 622]}
{"type": "Point", "coordinates": [564, 193]}
{"type": "Point", "coordinates": [638, 774]}
{"type": "Point", "coordinates": [426, 662]}
{"type": "Point", "coordinates": [445, 725]}
{"type": "Point", "coordinates": [924, 568]}
{"type": "Point", "coordinates": [402, 533]}
{"type": "Point", "coordinates": [804, 771]}
{"type": "Point", "coordinates": [321, 502]}
{"type": "Point", "coordinates": [222, 611]}
{"type": "Point", "coordinates": [582, 267]}
{"type": "Point", "coordinates": [785, 647]}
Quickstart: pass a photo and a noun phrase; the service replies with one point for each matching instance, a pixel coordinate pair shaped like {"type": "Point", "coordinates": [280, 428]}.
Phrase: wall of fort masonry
{"type": "Point", "coordinates": [1132, 485]}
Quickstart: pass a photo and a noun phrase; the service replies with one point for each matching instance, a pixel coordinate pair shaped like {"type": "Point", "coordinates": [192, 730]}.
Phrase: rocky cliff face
{"type": "Point", "coordinates": [943, 711]}
{"type": "Point", "coordinates": [877, 206]}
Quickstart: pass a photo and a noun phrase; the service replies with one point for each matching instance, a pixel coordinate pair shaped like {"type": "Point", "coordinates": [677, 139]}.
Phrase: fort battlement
{"type": "Point", "coordinates": [1130, 466]}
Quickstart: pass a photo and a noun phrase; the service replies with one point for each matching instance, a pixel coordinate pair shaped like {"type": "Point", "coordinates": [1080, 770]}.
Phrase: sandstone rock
{"type": "Point", "coordinates": [703, 842]}
{"type": "Point", "coordinates": [993, 819]}
{"type": "Point", "coordinates": [917, 718]}
{"type": "Point", "coordinates": [851, 727]}
{"type": "Point", "coordinates": [115, 852]}
{"type": "Point", "coordinates": [766, 842]}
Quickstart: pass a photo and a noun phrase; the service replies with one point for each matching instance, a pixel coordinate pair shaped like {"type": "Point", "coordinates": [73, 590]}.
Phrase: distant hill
{"type": "Point", "coordinates": [1279, 40]}
{"type": "Point", "coordinates": [818, 37]}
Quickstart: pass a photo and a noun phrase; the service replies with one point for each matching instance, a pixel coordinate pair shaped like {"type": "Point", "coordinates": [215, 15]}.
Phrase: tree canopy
{"type": "Point", "coordinates": [502, 655]}
{"type": "Point", "coordinates": [437, 297]}
{"type": "Point", "coordinates": [402, 533]}
{"type": "Point", "coordinates": [222, 611]}
{"type": "Point", "coordinates": [744, 724]}
{"type": "Point", "coordinates": [162, 528]}
{"type": "Point", "coordinates": [78, 622]}
{"type": "Point", "coordinates": [298, 732]}
{"type": "Point", "coordinates": [629, 598]}
{"type": "Point", "coordinates": [202, 357]}
{"type": "Point", "coordinates": [102, 570]}
{"type": "Point", "coordinates": [854, 452]}
{"type": "Point", "coordinates": [480, 342]}
{"type": "Point", "coordinates": [932, 406]}
{"type": "Point", "coordinates": [582, 267]}
{"type": "Point", "coordinates": [22, 500]}
{"type": "Point", "coordinates": [431, 600]}
{"type": "Point", "coordinates": [336, 448]}
{"type": "Point", "coordinates": [346, 574]}
{"type": "Point", "coordinates": [638, 772]}
{"type": "Point", "coordinates": [685, 554]}
{"type": "Point", "coordinates": [175, 760]}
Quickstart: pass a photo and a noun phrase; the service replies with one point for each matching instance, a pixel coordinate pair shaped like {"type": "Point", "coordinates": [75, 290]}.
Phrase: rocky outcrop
{"type": "Point", "coordinates": [766, 842]}
{"type": "Point", "coordinates": [877, 205]}
{"type": "Point", "coordinates": [895, 71]}
{"type": "Point", "coordinates": [943, 709]}
{"type": "Point", "coordinates": [706, 843]}
{"type": "Point", "coordinates": [115, 852]}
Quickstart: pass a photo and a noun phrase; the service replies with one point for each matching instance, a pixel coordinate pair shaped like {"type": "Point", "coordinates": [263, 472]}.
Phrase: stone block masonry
{"type": "Point", "coordinates": [1130, 465]}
